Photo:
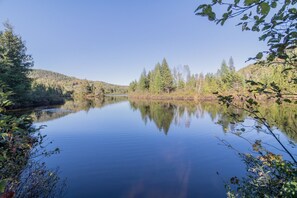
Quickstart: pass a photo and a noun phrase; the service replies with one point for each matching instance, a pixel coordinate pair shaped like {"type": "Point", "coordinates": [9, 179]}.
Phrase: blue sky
{"type": "Point", "coordinates": [113, 40]}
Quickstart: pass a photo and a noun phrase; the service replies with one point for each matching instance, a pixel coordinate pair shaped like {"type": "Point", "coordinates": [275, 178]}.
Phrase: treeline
{"type": "Point", "coordinates": [156, 81]}
{"type": "Point", "coordinates": [180, 81]}
{"type": "Point", "coordinates": [164, 80]}
{"type": "Point", "coordinates": [74, 87]}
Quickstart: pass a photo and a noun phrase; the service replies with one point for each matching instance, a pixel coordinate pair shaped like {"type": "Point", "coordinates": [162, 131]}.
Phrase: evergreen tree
{"type": "Point", "coordinates": [167, 77]}
{"type": "Point", "coordinates": [156, 85]}
{"type": "Point", "coordinates": [149, 74]}
{"type": "Point", "coordinates": [15, 64]}
{"type": "Point", "coordinates": [225, 75]}
{"type": "Point", "coordinates": [133, 86]}
{"type": "Point", "coordinates": [143, 83]}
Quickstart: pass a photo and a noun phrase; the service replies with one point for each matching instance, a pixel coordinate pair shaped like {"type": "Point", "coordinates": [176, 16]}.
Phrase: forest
{"type": "Point", "coordinates": [181, 83]}
{"type": "Point", "coordinates": [71, 87]}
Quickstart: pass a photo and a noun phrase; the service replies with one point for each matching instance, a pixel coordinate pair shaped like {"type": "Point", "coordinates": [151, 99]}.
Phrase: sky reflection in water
{"type": "Point", "coordinates": [119, 148]}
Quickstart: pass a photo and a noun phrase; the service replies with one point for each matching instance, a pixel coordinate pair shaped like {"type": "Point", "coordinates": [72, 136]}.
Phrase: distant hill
{"type": "Point", "coordinates": [72, 86]}
{"type": "Point", "coordinates": [39, 73]}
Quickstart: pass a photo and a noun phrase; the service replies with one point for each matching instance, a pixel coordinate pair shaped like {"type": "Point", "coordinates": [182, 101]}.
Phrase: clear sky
{"type": "Point", "coordinates": [113, 40]}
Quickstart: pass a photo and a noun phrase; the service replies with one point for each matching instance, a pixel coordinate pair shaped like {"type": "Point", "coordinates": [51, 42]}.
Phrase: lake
{"type": "Point", "coordinates": [114, 147]}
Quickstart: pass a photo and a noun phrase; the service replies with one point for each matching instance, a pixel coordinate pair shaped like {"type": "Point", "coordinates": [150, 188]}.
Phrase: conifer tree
{"type": "Point", "coordinates": [133, 86]}
{"type": "Point", "coordinates": [15, 64]}
{"type": "Point", "coordinates": [156, 85]}
{"type": "Point", "coordinates": [167, 77]}
{"type": "Point", "coordinates": [143, 83]}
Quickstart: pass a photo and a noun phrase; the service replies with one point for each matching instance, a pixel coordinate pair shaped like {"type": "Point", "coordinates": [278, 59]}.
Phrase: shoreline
{"type": "Point", "coordinates": [189, 97]}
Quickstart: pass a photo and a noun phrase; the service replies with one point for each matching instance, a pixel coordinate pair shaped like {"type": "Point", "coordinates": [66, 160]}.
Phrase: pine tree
{"type": "Point", "coordinates": [15, 64]}
{"type": "Point", "coordinates": [143, 83]}
{"type": "Point", "coordinates": [156, 83]}
{"type": "Point", "coordinates": [167, 77]}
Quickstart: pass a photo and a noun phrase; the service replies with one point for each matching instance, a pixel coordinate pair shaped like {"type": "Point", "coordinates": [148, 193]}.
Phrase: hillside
{"type": "Point", "coordinates": [257, 72]}
{"type": "Point", "coordinates": [73, 87]}
{"type": "Point", "coordinates": [274, 73]}
{"type": "Point", "coordinates": [39, 73]}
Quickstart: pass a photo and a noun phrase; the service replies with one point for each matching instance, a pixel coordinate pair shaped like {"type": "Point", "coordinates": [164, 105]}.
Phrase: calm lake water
{"type": "Point", "coordinates": [118, 148]}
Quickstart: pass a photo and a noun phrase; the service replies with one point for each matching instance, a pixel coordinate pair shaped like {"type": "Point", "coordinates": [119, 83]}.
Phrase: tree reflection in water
{"type": "Point", "coordinates": [267, 166]}
{"type": "Point", "coordinates": [268, 174]}
{"type": "Point", "coordinates": [163, 114]}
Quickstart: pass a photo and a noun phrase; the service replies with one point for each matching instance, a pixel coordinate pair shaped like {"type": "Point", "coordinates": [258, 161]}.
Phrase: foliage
{"type": "Point", "coordinates": [41, 95]}
{"type": "Point", "coordinates": [162, 80]}
{"type": "Point", "coordinates": [15, 142]}
{"type": "Point", "coordinates": [133, 86]}
{"type": "Point", "coordinates": [276, 20]}
{"type": "Point", "coordinates": [15, 64]}
{"type": "Point", "coordinates": [70, 87]}
{"type": "Point", "coordinates": [156, 81]}
{"type": "Point", "coordinates": [18, 137]}
{"type": "Point", "coordinates": [268, 175]}
{"type": "Point", "coordinates": [39, 181]}
{"type": "Point", "coordinates": [167, 78]}
{"type": "Point", "coordinates": [143, 81]}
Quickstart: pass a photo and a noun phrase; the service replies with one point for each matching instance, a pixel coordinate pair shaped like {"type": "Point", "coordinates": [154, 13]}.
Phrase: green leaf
{"type": "Point", "coordinates": [259, 55]}
{"type": "Point", "coordinates": [250, 2]}
{"type": "Point", "coordinates": [265, 8]}
{"type": "Point", "coordinates": [293, 11]}
{"type": "Point", "coordinates": [245, 17]}
{"type": "Point", "coordinates": [273, 4]}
